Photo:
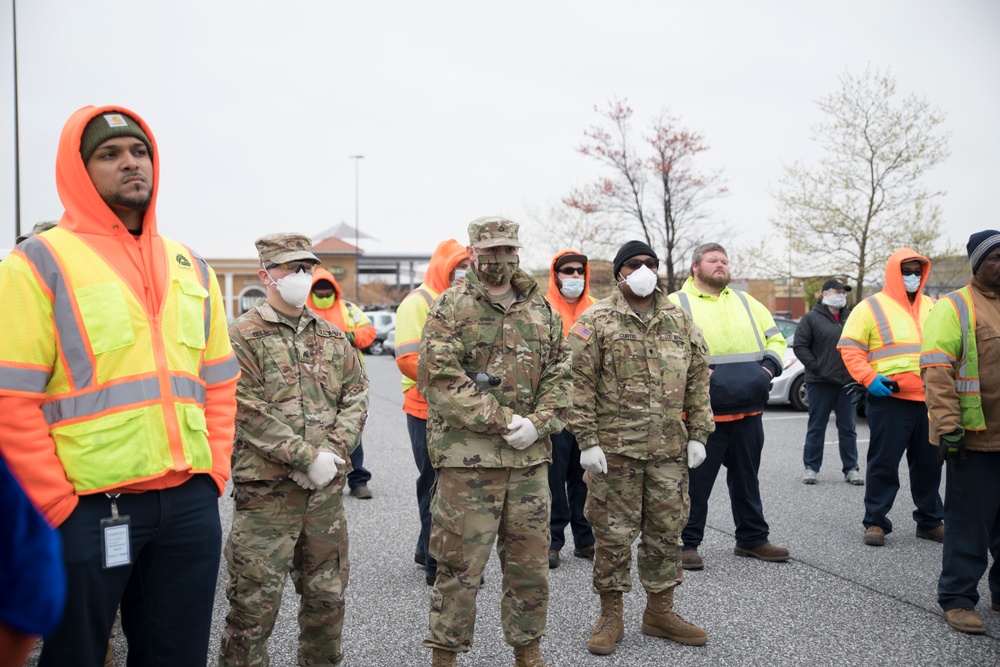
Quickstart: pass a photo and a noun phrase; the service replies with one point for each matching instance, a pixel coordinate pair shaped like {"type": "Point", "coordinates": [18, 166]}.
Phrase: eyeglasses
{"type": "Point", "coordinates": [293, 267]}
{"type": "Point", "coordinates": [570, 270]}
{"type": "Point", "coordinates": [912, 272]}
{"type": "Point", "coordinates": [634, 264]}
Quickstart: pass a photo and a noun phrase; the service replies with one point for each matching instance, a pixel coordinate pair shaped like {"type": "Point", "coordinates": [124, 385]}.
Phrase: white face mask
{"type": "Point", "coordinates": [835, 300]}
{"type": "Point", "coordinates": [642, 281]}
{"type": "Point", "coordinates": [459, 277]}
{"type": "Point", "coordinates": [911, 283]}
{"type": "Point", "coordinates": [572, 287]}
{"type": "Point", "coordinates": [294, 288]}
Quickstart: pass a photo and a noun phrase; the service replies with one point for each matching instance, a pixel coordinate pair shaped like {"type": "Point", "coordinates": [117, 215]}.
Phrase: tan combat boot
{"type": "Point", "coordinates": [529, 655]}
{"type": "Point", "coordinates": [660, 620]}
{"type": "Point", "coordinates": [610, 628]}
{"type": "Point", "coordinates": [443, 658]}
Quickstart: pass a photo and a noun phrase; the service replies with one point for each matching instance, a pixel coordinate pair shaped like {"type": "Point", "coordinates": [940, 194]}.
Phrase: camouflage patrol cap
{"type": "Point", "coordinates": [492, 231]}
{"type": "Point", "coordinates": [38, 229]}
{"type": "Point", "coordinates": [284, 247]}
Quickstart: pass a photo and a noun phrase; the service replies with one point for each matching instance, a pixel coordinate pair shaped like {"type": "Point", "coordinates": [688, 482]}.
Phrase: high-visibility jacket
{"type": "Point", "coordinates": [411, 315]}
{"type": "Point", "coordinates": [883, 334]}
{"type": "Point", "coordinates": [345, 315]}
{"type": "Point", "coordinates": [119, 374]}
{"type": "Point", "coordinates": [950, 340]}
{"type": "Point", "coordinates": [742, 339]}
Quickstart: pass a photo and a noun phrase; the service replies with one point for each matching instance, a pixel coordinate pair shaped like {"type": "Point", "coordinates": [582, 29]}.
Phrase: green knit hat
{"type": "Point", "coordinates": [108, 125]}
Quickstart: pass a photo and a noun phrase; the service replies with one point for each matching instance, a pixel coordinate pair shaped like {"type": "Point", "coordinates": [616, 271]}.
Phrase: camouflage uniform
{"type": "Point", "coordinates": [486, 489]}
{"type": "Point", "coordinates": [302, 390]}
{"type": "Point", "coordinates": [634, 380]}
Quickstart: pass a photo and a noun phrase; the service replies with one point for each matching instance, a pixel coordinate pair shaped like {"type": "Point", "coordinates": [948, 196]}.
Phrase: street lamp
{"type": "Point", "coordinates": [17, 149]}
{"type": "Point", "coordinates": [357, 239]}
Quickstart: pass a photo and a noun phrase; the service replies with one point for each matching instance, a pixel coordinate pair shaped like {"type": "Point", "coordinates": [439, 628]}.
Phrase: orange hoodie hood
{"type": "Point", "coordinates": [322, 274]}
{"type": "Point", "coordinates": [86, 212]}
{"type": "Point", "coordinates": [894, 287]}
{"type": "Point", "coordinates": [570, 312]}
{"type": "Point", "coordinates": [444, 260]}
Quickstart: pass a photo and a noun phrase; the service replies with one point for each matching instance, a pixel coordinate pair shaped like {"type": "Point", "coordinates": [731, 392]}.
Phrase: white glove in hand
{"type": "Point", "coordinates": [324, 469]}
{"type": "Point", "coordinates": [302, 479]}
{"type": "Point", "coordinates": [521, 433]}
{"type": "Point", "coordinates": [593, 460]}
{"type": "Point", "coordinates": [696, 453]}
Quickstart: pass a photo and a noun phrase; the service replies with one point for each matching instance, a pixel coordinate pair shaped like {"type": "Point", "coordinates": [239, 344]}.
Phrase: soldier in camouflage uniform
{"type": "Point", "coordinates": [641, 416]}
{"type": "Point", "coordinates": [489, 443]}
{"type": "Point", "coordinates": [303, 400]}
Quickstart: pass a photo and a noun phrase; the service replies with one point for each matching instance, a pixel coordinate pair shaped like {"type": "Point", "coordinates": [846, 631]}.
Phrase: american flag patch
{"type": "Point", "coordinates": [581, 331]}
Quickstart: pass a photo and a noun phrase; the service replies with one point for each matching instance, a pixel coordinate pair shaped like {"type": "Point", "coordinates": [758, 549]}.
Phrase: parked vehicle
{"type": "Point", "coordinates": [389, 344]}
{"type": "Point", "coordinates": [384, 321]}
{"type": "Point", "coordinates": [790, 386]}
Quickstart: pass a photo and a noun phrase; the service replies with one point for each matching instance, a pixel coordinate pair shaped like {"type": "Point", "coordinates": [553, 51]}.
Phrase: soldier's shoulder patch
{"type": "Point", "coordinates": [581, 331]}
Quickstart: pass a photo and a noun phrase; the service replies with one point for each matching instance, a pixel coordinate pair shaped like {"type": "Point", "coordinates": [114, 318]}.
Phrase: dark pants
{"type": "Point", "coordinates": [822, 399]}
{"type": "Point", "coordinates": [166, 593]}
{"type": "Point", "coordinates": [736, 445]}
{"type": "Point", "coordinates": [417, 429]}
{"type": "Point", "coordinates": [897, 427]}
{"type": "Point", "coordinates": [971, 529]}
{"type": "Point", "coordinates": [569, 493]}
{"type": "Point", "coordinates": [360, 475]}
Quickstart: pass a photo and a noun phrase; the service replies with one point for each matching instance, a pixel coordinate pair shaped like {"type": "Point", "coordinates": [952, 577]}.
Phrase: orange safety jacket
{"type": "Point", "coordinates": [884, 332]}
{"type": "Point", "coordinates": [411, 315]}
{"type": "Point", "coordinates": [120, 375]}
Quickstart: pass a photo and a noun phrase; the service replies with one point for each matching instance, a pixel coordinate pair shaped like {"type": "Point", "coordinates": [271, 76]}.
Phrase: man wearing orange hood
{"type": "Point", "coordinates": [327, 300]}
{"type": "Point", "coordinates": [118, 393]}
{"type": "Point", "coordinates": [446, 268]}
{"type": "Point", "coordinates": [569, 295]}
{"type": "Point", "coordinates": [880, 346]}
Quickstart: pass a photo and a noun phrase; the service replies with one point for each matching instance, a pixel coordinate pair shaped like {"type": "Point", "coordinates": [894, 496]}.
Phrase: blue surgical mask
{"type": "Point", "coordinates": [572, 287]}
{"type": "Point", "coordinates": [911, 283]}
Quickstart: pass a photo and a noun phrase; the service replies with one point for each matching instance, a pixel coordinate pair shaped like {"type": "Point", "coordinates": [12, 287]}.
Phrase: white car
{"type": "Point", "coordinates": [384, 321]}
{"type": "Point", "coordinates": [790, 386]}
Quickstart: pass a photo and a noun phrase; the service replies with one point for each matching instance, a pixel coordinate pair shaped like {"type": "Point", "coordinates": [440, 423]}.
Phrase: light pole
{"type": "Point", "coordinates": [17, 150]}
{"type": "Point", "coordinates": [357, 234]}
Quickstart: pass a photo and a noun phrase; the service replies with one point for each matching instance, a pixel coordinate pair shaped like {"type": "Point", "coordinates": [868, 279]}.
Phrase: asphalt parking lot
{"type": "Point", "coordinates": [837, 602]}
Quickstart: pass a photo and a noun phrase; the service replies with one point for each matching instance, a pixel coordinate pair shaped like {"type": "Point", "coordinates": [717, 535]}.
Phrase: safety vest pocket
{"type": "Point", "coordinates": [191, 314]}
{"type": "Point", "coordinates": [105, 317]}
{"type": "Point", "coordinates": [101, 452]}
{"type": "Point", "coordinates": [194, 432]}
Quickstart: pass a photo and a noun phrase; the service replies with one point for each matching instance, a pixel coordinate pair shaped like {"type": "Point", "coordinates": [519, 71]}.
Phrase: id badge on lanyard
{"type": "Point", "coordinates": [116, 547]}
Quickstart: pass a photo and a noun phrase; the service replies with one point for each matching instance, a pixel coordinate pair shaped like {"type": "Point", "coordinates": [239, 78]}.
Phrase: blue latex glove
{"type": "Point", "coordinates": [880, 386]}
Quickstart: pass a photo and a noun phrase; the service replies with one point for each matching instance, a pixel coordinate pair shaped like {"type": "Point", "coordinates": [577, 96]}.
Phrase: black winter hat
{"type": "Point", "coordinates": [980, 245]}
{"type": "Point", "coordinates": [630, 250]}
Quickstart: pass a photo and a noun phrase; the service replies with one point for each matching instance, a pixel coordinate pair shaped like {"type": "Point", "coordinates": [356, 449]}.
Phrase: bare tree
{"type": "Point", "coordinates": [653, 184]}
{"type": "Point", "coordinates": [864, 198]}
{"type": "Point", "coordinates": [591, 232]}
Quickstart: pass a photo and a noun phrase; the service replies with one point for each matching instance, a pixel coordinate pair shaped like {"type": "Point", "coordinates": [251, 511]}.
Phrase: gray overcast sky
{"type": "Point", "coordinates": [465, 109]}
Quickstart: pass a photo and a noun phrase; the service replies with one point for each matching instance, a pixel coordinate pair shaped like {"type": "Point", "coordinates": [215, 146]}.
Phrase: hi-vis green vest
{"type": "Point", "coordinates": [896, 348]}
{"type": "Point", "coordinates": [950, 340]}
{"type": "Point", "coordinates": [125, 399]}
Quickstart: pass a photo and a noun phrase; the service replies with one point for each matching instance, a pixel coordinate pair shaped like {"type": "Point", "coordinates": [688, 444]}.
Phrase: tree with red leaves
{"type": "Point", "coordinates": [653, 184]}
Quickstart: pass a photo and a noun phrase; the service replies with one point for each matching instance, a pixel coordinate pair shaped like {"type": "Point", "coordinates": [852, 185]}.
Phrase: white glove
{"type": "Point", "coordinates": [324, 469]}
{"type": "Point", "coordinates": [696, 453]}
{"type": "Point", "coordinates": [593, 460]}
{"type": "Point", "coordinates": [521, 433]}
{"type": "Point", "coordinates": [302, 479]}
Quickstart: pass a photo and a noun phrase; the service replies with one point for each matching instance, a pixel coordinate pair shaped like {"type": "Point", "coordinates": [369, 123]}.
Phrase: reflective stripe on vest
{"type": "Point", "coordinates": [890, 349]}
{"type": "Point", "coordinates": [125, 397]}
{"type": "Point", "coordinates": [737, 357]}
{"type": "Point", "coordinates": [967, 365]}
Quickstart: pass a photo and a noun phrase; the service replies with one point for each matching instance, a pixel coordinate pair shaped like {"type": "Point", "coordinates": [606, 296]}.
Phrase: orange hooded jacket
{"type": "Point", "coordinates": [411, 315]}
{"type": "Point", "coordinates": [570, 312]}
{"type": "Point", "coordinates": [862, 334]}
{"type": "Point", "coordinates": [140, 261]}
{"type": "Point", "coordinates": [345, 315]}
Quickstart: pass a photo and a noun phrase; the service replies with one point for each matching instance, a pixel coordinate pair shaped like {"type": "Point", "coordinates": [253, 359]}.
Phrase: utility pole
{"type": "Point", "coordinates": [17, 151]}
{"type": "Point", "coordinates": [357, 233]}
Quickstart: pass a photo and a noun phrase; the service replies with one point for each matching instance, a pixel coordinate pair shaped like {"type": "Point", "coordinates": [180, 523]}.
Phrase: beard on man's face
{"type": "Point", "coordinates": [136, 202]}
{"type": "Point", "coordinates": [713, 280]}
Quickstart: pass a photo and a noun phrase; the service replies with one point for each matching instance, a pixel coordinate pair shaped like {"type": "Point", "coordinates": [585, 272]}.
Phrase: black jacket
{"type": "Point", "coordinates": [815, 345]}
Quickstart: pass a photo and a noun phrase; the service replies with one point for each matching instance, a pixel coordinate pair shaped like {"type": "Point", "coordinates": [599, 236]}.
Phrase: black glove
{"type": "Point", "coordinates": [857, 392]}
{"type": "Point", "coordinates": [952, 447]}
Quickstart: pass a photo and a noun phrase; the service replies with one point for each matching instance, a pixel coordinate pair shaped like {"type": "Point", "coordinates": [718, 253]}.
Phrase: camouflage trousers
{"type": "Point", "coordinates": [647, 497]}
{"type": "Point", "coordinates": [279, 527]}
{"type": "Point", "coordinates": [470, 508]}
